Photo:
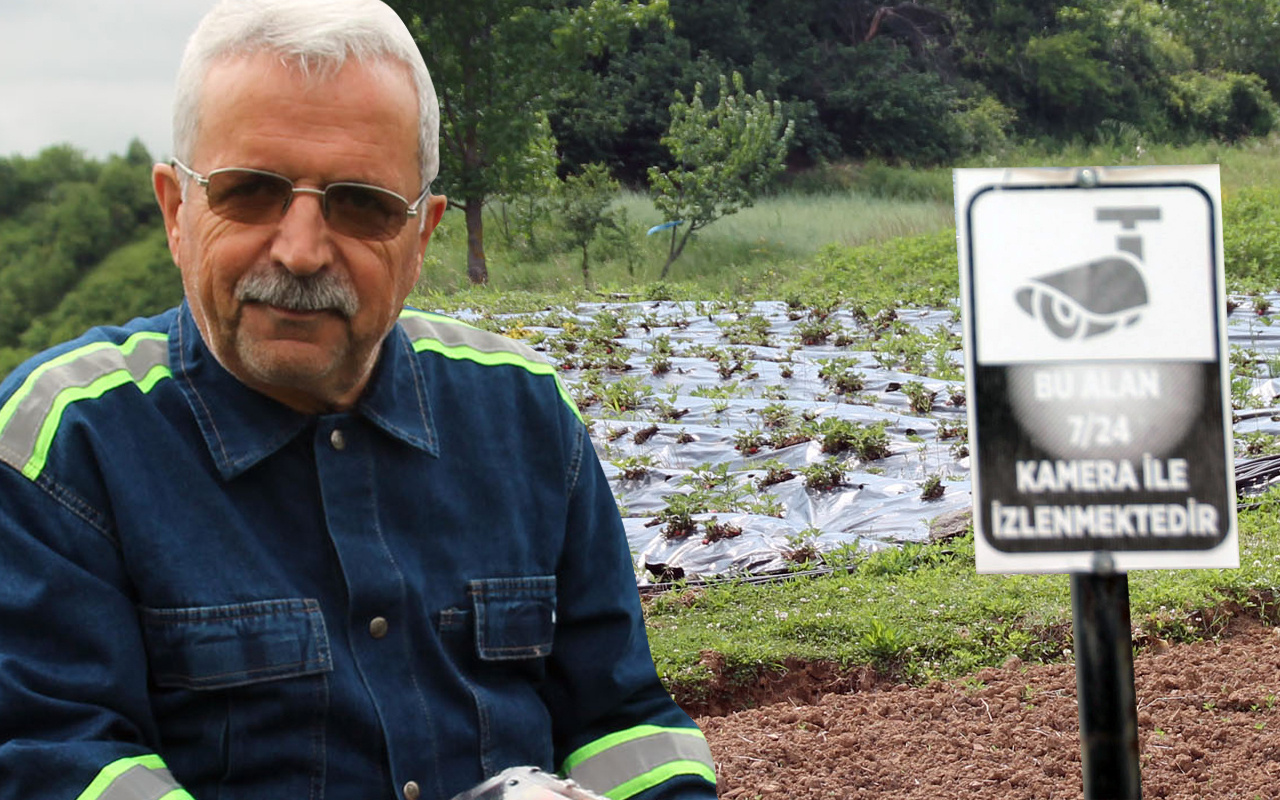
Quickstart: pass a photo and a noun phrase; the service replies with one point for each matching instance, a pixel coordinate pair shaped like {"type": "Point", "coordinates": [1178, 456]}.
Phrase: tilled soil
{"type": "Point", "coordinates": [1208, 719]}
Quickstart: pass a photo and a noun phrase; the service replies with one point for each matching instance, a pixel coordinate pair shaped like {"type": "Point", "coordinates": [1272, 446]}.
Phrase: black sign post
{"type": "Point", "coordinates": [1105, 692]}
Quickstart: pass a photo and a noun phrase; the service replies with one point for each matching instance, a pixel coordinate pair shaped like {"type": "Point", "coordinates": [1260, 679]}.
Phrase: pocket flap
{"type": "Point", "coordinates": [514, 617]}
{"type": "Point", "coordinates": [216, 647]}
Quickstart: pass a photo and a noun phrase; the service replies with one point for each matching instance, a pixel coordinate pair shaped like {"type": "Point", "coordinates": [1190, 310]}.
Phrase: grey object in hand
{"type": "Point", "coordinates": [527, 783]}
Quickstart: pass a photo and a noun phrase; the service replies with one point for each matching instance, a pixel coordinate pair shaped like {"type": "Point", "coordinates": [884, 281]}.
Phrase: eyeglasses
{"type": "Point", "coordinates": [258, 197]}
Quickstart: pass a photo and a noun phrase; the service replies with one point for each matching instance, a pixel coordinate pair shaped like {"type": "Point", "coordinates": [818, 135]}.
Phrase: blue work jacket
{"type": "Point", "coordinates": [205, 594]}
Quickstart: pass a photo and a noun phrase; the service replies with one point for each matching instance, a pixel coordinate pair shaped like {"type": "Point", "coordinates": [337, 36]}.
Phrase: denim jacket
{"type": "Point", "coordinates": [205, 594]}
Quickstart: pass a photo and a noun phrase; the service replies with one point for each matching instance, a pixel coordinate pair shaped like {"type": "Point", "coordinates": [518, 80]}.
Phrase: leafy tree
{"type": "Point", "coordinates": [1231, 35]}
{"type": "Point", "coordinates": [526, 203]}
{"type": "Point", "coordinates": [584, 209]}
{"type": "Point", "coordinates": [1226, 106]}
{"type": "Point", "coordinates": [1068, 67]}
{"type": "Point", "coordinates": [724, 156]}
{"type": "Point", "coordinates": [496, 65]}
{"type": "Point", "coordinates": [620, 113]}
{"type": "Point", "coordinates": [138, 279]}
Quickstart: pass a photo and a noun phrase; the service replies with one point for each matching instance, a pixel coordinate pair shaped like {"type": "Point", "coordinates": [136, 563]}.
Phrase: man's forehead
{"type": "Point", "coordinates": [306, 73]}
{"type": "Point", "coordinates": [247, 96]}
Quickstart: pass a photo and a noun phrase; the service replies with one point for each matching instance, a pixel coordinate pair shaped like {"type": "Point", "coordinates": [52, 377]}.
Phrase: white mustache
{"type": "Point", "coordinates": [324, 291]}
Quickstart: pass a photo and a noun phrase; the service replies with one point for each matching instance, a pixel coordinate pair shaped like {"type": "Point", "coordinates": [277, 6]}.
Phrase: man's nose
{"type": "Point", "coordinates": [303, 243]}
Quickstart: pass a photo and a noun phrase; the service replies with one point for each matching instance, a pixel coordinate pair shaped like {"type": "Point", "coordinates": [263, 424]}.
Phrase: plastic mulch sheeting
{"type": "Point", "coordinates": [688, 433]}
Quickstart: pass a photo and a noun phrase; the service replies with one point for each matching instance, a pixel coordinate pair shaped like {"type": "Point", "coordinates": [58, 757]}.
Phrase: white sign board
{"type": "Point", "coordinates": [1095, 352]}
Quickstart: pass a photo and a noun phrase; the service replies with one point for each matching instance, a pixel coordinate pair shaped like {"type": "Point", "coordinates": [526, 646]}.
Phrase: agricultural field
{"type": "Point", "coordinates": [749, 437]}
{"type": "Point", "coordinates": [874, 663]}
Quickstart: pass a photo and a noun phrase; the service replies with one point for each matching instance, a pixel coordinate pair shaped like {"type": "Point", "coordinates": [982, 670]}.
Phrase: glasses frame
{"type": "Point", "coordinates": [411, 208]}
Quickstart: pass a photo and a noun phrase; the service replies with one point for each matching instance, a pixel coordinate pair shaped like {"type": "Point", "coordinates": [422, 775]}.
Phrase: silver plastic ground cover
{"type": "Point", "coordinates": [881, 502]}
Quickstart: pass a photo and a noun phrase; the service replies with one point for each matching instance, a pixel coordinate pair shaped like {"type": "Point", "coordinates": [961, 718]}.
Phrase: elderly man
{"type": "Point", "coordinates": [290, 539]}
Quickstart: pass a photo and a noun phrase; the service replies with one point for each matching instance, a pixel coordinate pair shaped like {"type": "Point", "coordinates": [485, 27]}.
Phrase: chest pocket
{"type": "Point", "coordinates": [515, 618]}
{"type": "Point", "coordinates": [213, 647]}
{"type": "Point", "coordinates": [229, 680]}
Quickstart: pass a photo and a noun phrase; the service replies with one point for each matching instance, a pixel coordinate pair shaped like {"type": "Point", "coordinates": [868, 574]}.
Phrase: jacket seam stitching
{"type": "Point", "coordinates": [77, 506]}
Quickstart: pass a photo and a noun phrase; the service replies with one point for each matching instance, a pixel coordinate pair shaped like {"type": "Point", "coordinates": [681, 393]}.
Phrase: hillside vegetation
{"type": "Point", "coordinates": [85, 247]}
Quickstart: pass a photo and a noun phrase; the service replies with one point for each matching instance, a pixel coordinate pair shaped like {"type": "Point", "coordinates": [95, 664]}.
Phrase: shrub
{"type": "Point", "coordinates": [1226, 105]}
{"type": "Point", "coordinates": [1251, 238]}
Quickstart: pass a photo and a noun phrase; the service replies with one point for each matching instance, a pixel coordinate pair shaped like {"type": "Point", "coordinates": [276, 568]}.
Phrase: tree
{"type": "Point", "coordinates": [724, 156]}
{"type": "Point", "coordinates": [584, 209]}
{"type": "Point", "coordinates": [497, 66]}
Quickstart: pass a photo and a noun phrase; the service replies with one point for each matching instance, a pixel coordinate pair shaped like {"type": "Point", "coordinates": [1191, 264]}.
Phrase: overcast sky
{"type": "Point", "coordinates": [95, 73]}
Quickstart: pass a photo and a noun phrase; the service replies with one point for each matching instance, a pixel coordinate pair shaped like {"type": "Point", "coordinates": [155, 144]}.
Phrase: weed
{"type": "Point", "coordinates": [882, 643]}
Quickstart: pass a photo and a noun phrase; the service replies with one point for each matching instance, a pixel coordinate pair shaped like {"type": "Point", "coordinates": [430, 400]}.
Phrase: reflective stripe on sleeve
{"type": "Point", "coordinates": [626, 763]}
{"type": "Point", "coordinates": [137, 778]}
{"type": "Point", "coordinates": [30, 418]}
{"type": "Point", "coordinates": [458, 340]}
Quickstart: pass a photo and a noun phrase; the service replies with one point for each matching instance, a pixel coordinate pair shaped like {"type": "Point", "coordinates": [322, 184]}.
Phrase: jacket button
{"type": "Point", "coordinates": [338, 440]}
{"type": "Point", "coordinates": [378, 627]}
{"type": "Point", "coordinates": [411, 791]}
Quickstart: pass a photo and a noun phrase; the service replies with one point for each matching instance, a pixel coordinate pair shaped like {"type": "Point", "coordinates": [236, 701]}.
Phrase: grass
{"type": "Point", "coordinates": [922, 612]}
{"type": "Point", "coordinates": [758, 250]}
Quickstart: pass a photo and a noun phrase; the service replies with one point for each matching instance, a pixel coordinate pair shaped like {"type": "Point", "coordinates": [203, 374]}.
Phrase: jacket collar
{"type": "Point", "coordinates": [241, 427]}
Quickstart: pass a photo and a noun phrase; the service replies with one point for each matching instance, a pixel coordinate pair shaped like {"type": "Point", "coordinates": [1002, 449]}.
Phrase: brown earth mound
{"type": "Point", "coordinates": [1208, 718]}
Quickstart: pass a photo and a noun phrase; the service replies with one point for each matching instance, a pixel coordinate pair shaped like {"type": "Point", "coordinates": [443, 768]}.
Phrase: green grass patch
{"type": "Point", "coordinates": [922, 612]}
{"type": "Point", "coordinates": [754, 251]}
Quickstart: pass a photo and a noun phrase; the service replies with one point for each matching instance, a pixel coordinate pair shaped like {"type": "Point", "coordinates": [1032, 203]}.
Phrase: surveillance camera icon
{"type": "Point", "coordinates": [1088, 299]}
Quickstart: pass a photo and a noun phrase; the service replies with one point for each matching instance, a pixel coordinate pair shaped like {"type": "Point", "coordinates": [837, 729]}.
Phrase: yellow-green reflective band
{"type": "Point", "coordinates": [137, 778]}
{"type": "Point", "coordinates": [30, 418]}
{"type": "Point", "coordinates": [460, 341]}
{"type": "Point", "coordinates": [626, 763]}
{"type": "Point", "coordinates": [654, 777]}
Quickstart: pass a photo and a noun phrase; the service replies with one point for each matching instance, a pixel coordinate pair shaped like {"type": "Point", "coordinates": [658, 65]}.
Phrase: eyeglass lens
{"type": "Point", "coordinates": [364, 212]}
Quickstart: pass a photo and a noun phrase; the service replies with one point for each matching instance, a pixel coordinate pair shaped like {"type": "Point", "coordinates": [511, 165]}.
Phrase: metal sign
{"type": "Point", "coordinates": [1095, 357]}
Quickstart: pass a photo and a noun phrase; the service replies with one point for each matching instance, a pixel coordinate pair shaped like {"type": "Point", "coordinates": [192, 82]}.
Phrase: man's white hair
{"type": "Point", "coordinates": [314, 36]}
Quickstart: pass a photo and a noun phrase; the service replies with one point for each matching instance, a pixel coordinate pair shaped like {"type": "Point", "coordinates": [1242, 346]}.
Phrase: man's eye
{"type": "Point", "coordinates": [253, 186]}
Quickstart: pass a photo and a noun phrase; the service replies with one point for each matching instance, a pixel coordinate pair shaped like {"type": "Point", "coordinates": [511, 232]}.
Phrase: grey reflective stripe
{"type": "Point", "coordinates": [452, 333]}
{"type": "Point", "coordinates": [454, 339]}
{"type": "Point", "coordinates": [77, 375]}
{"type": "Point", "coordinates": [140, 783]}
{"type": "Point", "coordinates": [635, 757]}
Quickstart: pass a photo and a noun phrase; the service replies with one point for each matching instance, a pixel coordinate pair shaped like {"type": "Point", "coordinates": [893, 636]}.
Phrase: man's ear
{"type": "Point", "coordinates": [164, 181]}
{"type": "Point", "coordinates": [432, 210]}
